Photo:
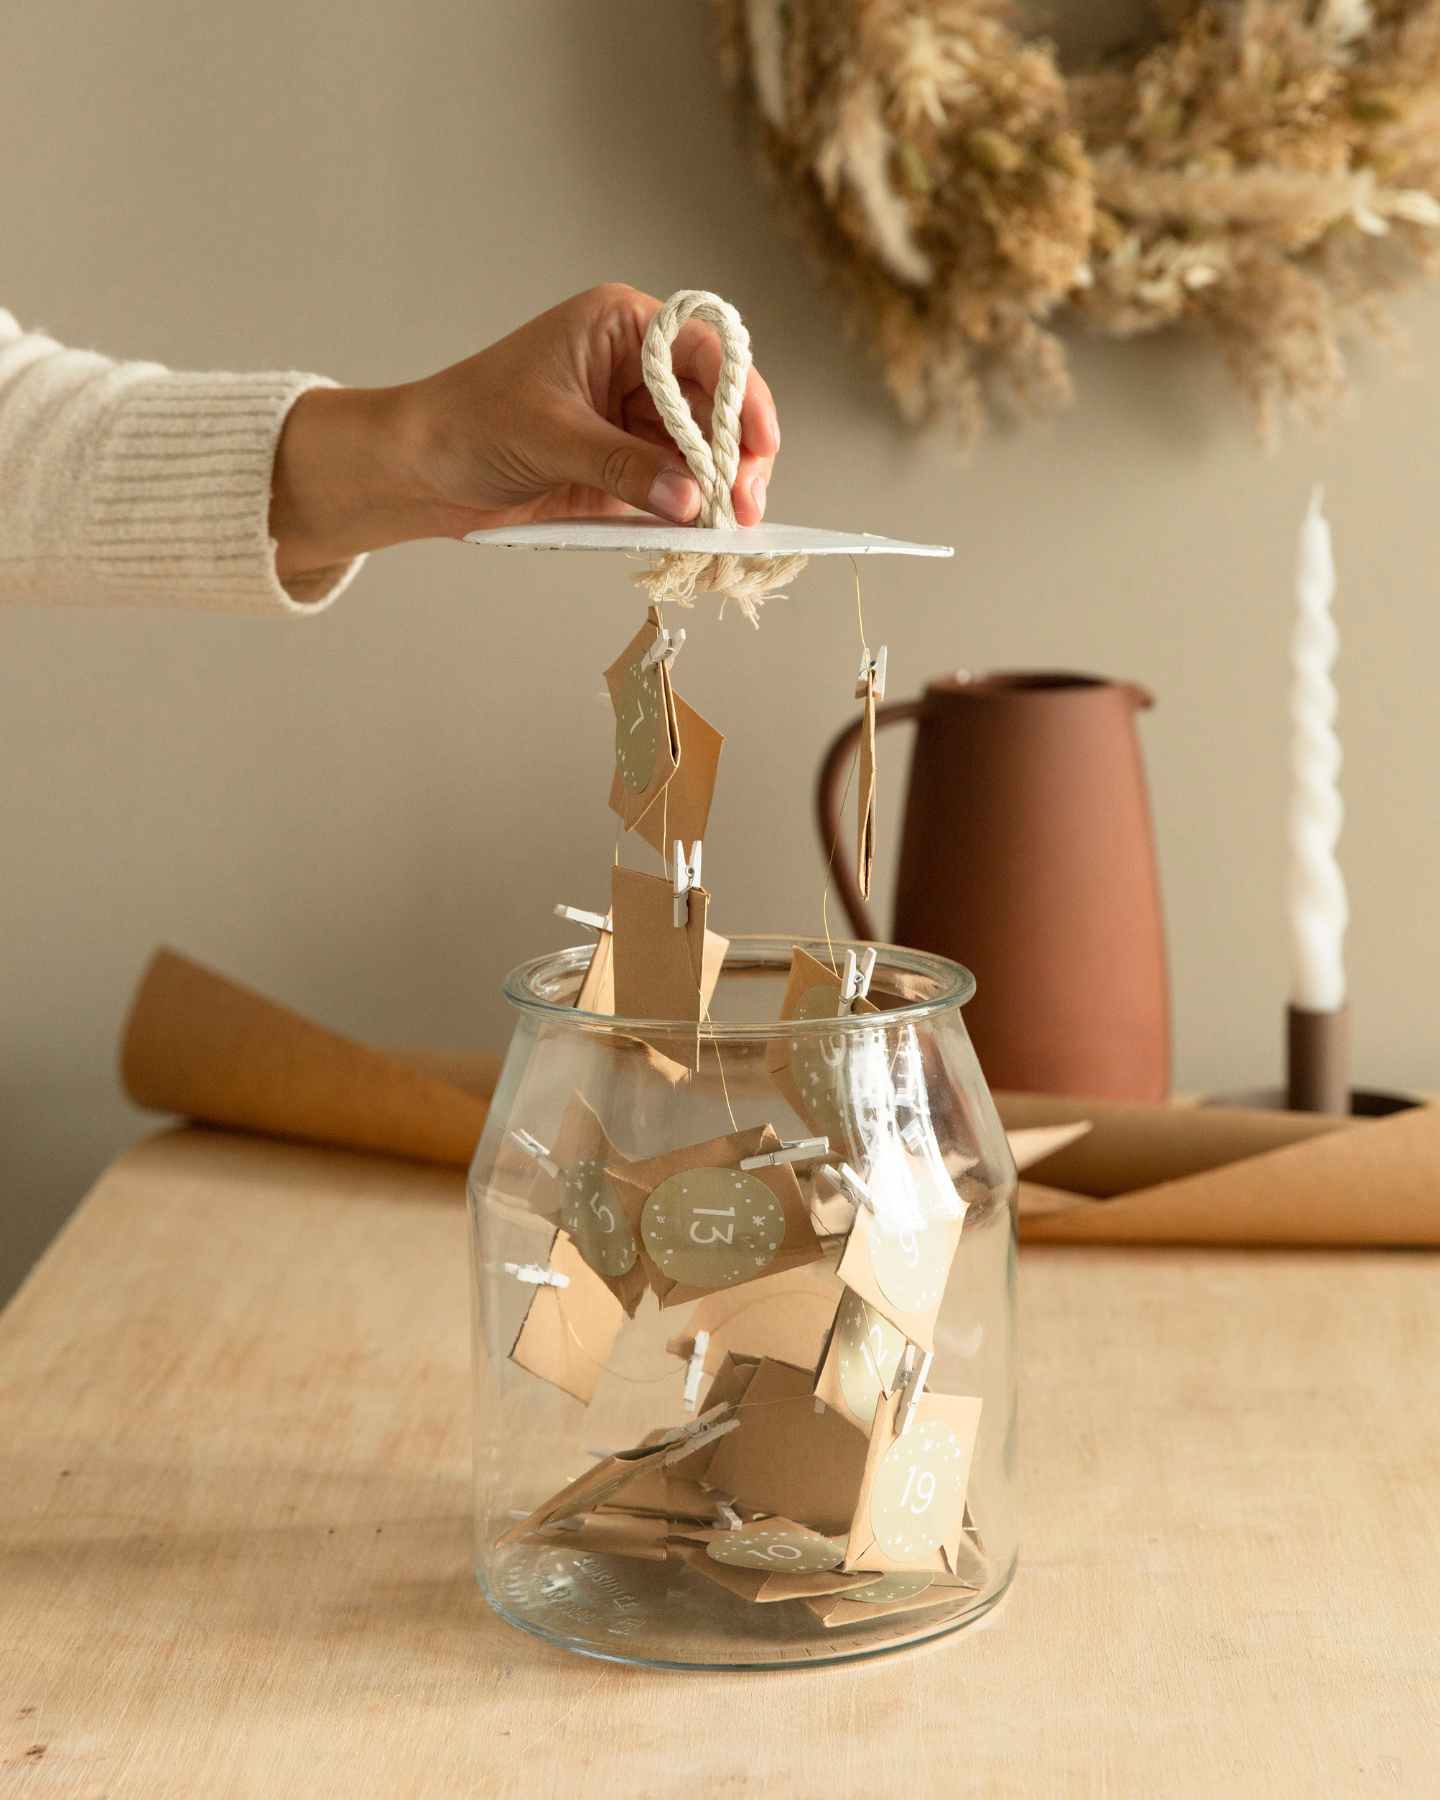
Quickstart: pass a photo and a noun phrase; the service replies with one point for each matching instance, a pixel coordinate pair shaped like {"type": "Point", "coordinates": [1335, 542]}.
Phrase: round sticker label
{"type": "Point", "coordinates": [710, 1228]}
{"type": "Point", "coordinates": [639, 721]}
{"type": "Point", "coordinates": [888, 1588]}
{"type": "Point", "coordinates": [909, 1265]}
{"type": "Point", "coordinates": [868, 1349]}
{"type": "Point", "coordinates": [779, 1549]}
{"type": "Point", "coordinates": [591, 1212]}
{"type": "Point", "coordinates": [915, 1500]}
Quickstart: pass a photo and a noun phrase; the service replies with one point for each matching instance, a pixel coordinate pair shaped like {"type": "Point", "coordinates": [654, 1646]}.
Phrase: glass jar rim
{"type": "Point", "coordinates": [954, 986]}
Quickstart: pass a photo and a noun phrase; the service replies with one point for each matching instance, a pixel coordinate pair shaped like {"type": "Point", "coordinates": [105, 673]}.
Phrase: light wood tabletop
{"type": "Point", "coordinates": [234, 1554]}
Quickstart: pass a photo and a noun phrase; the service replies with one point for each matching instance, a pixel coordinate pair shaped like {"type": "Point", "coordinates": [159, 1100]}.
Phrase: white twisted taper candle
{"type": "Point", "coordinates": [1319, 910]}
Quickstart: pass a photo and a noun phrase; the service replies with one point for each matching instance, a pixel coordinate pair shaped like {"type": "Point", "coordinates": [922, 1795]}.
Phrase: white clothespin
{"type": "Point", "coordinates": [792, 1150]}
{"type": "Point", "coordinates": [855, 982]}
{"type": "Point", "coordinates": [687, 876]}
{"type": "Point", "coordinates": [695, 1371]}
{"type": "Point", "coordinates": [664, 650]}
{"type": "Point", "coordinates": [844, 1180]}
{"type": "Point", "coordinates": [592, 921]}
{"type": "Point", "coordinates": [727, 1512]}
{"type": "Point", "coordinates": [536, 1150]}
{"type": "Point", "coordinates": [915, 1380]}
{"type": "Point", "coordinates": [819, 1405]}
{"type": "Point", "coordinates": [690, 1444]}
{"type": "Point", "coordinates": [872, 673]}
{"type": "Point", "coordinates": [537, 1275]}
{"type": "Point", "coordinates": [913, 1134]}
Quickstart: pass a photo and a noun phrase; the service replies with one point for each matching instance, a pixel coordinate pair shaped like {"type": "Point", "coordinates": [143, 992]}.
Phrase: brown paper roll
{"type": "Point", "coordinates": [1375, 1184]}
{"type": "Point", "coordinates": [205, 1047]}
{"type": "Point", "coordinates": [1136, 1146]}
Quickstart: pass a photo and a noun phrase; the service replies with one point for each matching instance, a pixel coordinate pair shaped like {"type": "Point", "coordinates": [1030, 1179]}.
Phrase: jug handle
{"type": "Point", "coordinates": [827, 809]}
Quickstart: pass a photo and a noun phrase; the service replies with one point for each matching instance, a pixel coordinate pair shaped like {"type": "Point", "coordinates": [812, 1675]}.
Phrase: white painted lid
{"type": "Point", "coordinates": [654, 538]}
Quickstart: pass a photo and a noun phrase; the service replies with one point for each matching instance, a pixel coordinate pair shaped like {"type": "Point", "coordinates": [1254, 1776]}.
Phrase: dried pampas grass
{"type": "Point", "coordinates": [1267, 170]}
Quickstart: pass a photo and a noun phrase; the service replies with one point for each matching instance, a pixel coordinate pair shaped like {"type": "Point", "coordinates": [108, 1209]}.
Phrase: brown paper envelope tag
{"type": "Point", "coordinates": [597, 991]}
{"type": "Point", "coordinates": [814, 1070]}
{"type": "Point", "coordinates": [568, 1333]}
{"type": "Point", "coordinates": [591, 1199]}
{"type": "Point", "coordinates": [865, 797]}
{"type": "Point", "coordinates": [682, 809]}
{"type": "Point", "coordinates": [901, 1274]}
{"type": "Point", "coordinates": [911, 1507]}
{"type": "Point", "coordinates": [647, 747]}
{"type": "Point", "coordinates": [787, 1458]}
{"type": "Point", "coordinates": [666, 1494]}
{"type": "Point", "coordinates": [745, 1584]}
{"type": "Point", "coordinates": [611, 1534]}
{"type": "Point", "coordinates": [861, 1361]}
{"type": "Point", "coordinates": [775, 1546]}
{"type": "Point", "coordinates": [590, 1490]}
{"type": "Point", "coordinates": [786, 1316]}
{"type": "Point", "coordinates": [708, 1224]}
{"type": "Point", "coordinates": [661, 968]}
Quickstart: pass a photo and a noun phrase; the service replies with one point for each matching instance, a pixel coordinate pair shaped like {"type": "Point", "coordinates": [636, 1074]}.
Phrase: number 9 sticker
{"type": "Point", "coordinates": [710, 1228]}
{"type": "Point", "coordinates": [916, 1502]}
{"type": "Point", "coordinates": [590, 1211]}
{"type": "Point", "coordinates": [909, 1265]}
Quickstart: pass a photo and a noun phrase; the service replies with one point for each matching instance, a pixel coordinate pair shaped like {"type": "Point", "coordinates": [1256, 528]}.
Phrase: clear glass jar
{"type": "Point", "coordinates": [706, 1430]}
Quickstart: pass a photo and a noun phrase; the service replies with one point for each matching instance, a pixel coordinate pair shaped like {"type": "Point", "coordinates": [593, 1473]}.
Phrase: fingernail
{"type": "Point", "coordinates": [757, 494]}
{"type": "Point", "coordinates": [673, 496]}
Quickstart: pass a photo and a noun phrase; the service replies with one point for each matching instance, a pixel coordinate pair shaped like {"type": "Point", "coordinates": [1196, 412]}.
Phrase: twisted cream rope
{"type": "Point", "coordinates": [680, 574]}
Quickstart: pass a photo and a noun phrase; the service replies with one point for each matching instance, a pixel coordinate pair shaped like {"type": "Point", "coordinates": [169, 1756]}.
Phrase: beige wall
{"type": "Point", "coordinates": [371, 815]}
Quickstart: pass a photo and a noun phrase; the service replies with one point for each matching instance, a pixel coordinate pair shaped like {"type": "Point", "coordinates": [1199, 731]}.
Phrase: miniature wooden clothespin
{"type": "Point", "coordinates": [536, 1275]}
{"type": "Point", "coordinates": [686, 877]}
{"type": "Point", "coordinates": [855, 982]}
{"type": "Point", "coordinates": [695, 1372]}
{"type": "Point", "coordinates": [792, 1150]}
{"type": "Point", "coordinates": [844, 1180]}
{"type": "Point", "coordinates": [871, 677]}
{"type": "Point", "coordinates": [914, 1380]}
{"type": "Point", "coordinates": [592, 921]}
{"type": "Point", "coordinates": [534, 1149]}
{"type": "Point", "coordinates": [728, 1514]}
{"type": "Point", "coordinates": [664, 650]}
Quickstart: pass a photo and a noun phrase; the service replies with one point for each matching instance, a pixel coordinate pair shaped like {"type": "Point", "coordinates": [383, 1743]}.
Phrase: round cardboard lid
{"type": "Point", "coordinates": [653, 537]}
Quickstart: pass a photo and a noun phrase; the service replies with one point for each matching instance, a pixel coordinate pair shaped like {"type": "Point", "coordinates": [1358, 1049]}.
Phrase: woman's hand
{"type": "Point", "coordinates": [552, 422]}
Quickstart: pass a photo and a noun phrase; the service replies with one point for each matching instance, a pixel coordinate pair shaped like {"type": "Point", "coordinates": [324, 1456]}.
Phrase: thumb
{"type": "Point", "coordinates": [650, 476]}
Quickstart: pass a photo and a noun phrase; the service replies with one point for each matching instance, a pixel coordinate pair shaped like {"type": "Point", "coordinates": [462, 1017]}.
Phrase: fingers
{"type": "Point", "coordinates": [642, 418]}
{"type": "Point", "coordinates": [651, 476]}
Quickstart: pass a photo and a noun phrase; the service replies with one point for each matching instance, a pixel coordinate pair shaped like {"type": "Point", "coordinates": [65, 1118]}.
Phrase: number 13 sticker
{"type": "Point", "coordinates": [710, 1228]}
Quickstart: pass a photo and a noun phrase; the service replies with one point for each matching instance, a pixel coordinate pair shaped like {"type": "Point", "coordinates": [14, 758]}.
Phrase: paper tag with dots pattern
{"type": "Point", "coordinates": [710, 1228]}
{"type": "Point", "coordinates": [779, 1547]}
{"type": "Point", "coordinates": [592, 1213]}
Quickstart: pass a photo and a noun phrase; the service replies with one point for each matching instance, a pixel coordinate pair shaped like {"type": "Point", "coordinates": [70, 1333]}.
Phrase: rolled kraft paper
{"type": "Point", "coordinates": [206, 1048]}
{"type": "Point", "coordinates": [1133, 1146]}
{"type": "Point", "coordinates": [1375, 1184]}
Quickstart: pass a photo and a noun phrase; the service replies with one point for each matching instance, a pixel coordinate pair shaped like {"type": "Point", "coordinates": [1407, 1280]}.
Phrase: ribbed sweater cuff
{"type": "Point", "coordinates": [179, 495]}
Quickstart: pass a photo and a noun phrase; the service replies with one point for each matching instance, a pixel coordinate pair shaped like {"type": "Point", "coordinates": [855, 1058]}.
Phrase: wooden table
{"type": "Point", "coordinates": [234, 1545]}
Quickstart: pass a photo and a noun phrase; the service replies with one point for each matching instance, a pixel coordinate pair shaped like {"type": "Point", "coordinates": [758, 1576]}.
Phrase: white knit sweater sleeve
{"type": "Point", "coordinates": [130, 484]}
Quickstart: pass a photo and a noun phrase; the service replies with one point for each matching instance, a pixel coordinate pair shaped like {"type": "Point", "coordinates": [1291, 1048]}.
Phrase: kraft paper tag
{"type": "Point", "coordinates": [786, 1316]}
{"type": "Point", "coordinates": [568, 1333]}
{"type": "Point", "coordinates": [707, 1224]}
{"type": "Point", "coordinates": [865, 795]}
{"type": "Point", "coordinates": [893, 1594]}
{"type": "Point", "coordinates": [816, 1071]}
{"type": "Point", "coordinates": [787, 1458]}
{"type": "Point", "coordinates": [591, 1200]}
{"type": "Point", "coordinates": [861, 1362]}
{"type": "Point", "coordinates": [611, 1534]}
{"type": "Point", "coordinates": [647, 735]}
{"type": "Point", "coordinates": [910, 1514]}
{"type": "Point", "coordinates": [663, 970]}
{"type": "Point", "coordinates": [597, 991]}
{"type": "Point", "coordinates": [682, 807]}
{"type": "Point", "coordinates": [901, 1269]}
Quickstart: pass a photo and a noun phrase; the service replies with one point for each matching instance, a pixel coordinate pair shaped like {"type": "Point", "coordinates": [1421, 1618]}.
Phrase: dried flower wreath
{"type": "Point", "coordinates": [1265, 169]}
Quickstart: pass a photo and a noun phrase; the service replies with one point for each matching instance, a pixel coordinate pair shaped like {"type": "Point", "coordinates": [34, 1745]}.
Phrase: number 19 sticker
{"type": "Point", "coordinates": [916, 1501]}
{"type": "Point", "coordinates": [712, 1227]}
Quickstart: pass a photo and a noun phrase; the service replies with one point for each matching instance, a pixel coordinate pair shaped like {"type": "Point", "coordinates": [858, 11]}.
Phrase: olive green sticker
{"type": "Point", "coordinates": [915, 1503]}
{"type": "Point", "coordinates": [868, 1349]}
{"type": "Point", "coordinates": [782, 1549]}
{"type": "Point", "coordinates": [710, 1228]}
{"type": "Point", "coordinates": [817, 1067]}
{"type": "Point", "coordinates": [890, 1587]}
{"type": "Point", "coordinates": [591, 1212]}
{"type": "Point", "coordinates": [910, 1266]}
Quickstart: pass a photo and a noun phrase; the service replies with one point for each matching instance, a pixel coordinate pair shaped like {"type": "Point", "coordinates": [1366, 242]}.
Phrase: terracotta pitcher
{"type": "Point", "coordinates": [1027, 854]}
